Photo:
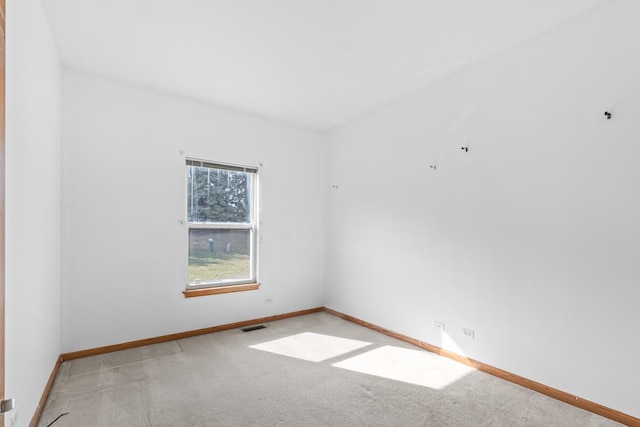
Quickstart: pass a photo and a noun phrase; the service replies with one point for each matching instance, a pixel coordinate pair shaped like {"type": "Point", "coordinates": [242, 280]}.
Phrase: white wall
{"type": "Point", "coordinates": [124, 250]}
{"type": "Point", "coordinates": [32, 206]}
{"type": "Point", "coordinates": [532, 237]}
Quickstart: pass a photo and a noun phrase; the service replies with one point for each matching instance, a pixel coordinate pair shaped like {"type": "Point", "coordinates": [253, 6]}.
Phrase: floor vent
{"type": "Point", "coordinates": [252, 328]}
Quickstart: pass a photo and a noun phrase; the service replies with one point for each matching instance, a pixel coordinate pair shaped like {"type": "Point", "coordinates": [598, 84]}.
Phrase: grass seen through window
{"type": "Point", "coordinates": [205, 266]}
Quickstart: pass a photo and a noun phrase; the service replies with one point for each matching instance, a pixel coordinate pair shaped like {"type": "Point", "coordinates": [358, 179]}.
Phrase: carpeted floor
{"type": "Point", "coordinates": [313, 370]}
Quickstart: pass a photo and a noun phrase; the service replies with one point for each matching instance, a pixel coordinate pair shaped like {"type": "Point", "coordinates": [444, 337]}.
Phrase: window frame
{"type": "Point", "coordinates": [225, 286]}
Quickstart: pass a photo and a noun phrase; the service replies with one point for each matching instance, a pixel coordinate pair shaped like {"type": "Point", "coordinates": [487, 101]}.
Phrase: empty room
{"type": "Point", "coordinates": [304, 212]}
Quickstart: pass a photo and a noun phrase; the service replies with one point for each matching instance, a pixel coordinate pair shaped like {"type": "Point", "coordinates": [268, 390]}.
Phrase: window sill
{"type": "Point", "coordinates": [190, 293]}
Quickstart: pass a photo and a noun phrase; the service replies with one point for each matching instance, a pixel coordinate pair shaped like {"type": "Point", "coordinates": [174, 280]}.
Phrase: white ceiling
{"type": "Point", "coordinates": [315, 64]}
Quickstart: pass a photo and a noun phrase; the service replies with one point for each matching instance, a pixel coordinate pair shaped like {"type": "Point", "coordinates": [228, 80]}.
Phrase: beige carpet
{"type": "Point", "coordinates": [314, 370]}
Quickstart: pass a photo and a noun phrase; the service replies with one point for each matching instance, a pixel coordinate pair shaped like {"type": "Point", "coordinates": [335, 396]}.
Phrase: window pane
{"type": "Point", "coordinates": [218, 195]}
{"type": "Point", "coordinates": [219, 255]}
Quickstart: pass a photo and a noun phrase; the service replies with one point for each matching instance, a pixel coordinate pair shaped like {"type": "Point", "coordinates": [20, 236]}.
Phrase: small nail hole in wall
{"type": "Point", "coordinates": [607, 115]}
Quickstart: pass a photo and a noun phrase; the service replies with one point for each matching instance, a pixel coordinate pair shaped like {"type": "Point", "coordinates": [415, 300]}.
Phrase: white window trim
{"type": "Point", "coordinates": [251, 226]}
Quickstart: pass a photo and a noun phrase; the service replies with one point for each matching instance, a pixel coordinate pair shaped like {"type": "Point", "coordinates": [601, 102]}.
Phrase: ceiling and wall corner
{"type": "Point", "coordinates": [312, 64]}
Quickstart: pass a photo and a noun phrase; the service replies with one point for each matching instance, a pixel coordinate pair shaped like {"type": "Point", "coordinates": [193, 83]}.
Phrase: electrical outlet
{"type": "Point", "coordinates": [268, 301]}
{"type": "Point", "coordinates": [14, 418]}
{"type": "Point", "coordinates": [468, 333]}
{"type": "Point", "coordinates": [438, 325]}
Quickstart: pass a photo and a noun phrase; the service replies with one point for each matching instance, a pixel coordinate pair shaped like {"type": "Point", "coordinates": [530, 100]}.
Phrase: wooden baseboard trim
{"type": "Point", "coordinates": [571, 399]}
{"type": "Point", "coordinates": [180, 335]}
{"type": "Point", "coordinates": [45, 393]}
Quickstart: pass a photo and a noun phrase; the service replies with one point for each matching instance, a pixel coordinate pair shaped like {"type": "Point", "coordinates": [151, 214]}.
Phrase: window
{"type": "Point", "coordinates": [221, 220]}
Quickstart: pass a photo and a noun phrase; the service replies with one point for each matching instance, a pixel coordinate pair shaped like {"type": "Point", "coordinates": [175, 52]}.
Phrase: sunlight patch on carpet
{"type": "Point", "coordinates": [311, 346]}
{"type": "Point", "coordinates": [406, 365]}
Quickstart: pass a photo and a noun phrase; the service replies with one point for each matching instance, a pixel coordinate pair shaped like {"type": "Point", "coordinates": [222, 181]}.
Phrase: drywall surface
{"type": "Point", "coordinates": [32, 236]}
{"type": "Point", "coordinates": [531, 237]}
{"type": "Point", "coordinates": [124, 183]}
